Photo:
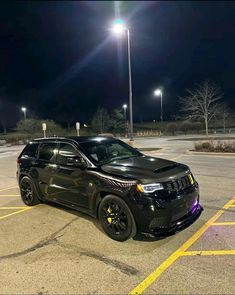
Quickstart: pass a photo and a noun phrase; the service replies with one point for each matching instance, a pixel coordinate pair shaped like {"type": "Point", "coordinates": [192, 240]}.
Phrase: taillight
{"type": "Point", "coordinates": [18, 161]}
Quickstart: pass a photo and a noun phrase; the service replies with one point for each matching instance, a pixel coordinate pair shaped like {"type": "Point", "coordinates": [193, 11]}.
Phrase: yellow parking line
{"type": "Point", "coordinates": [17, 212]}
{"type": "Point", "coordinates": [210, 252]}
{"type": "Point", "coordinates": [11, 208]}
{"type": "Point", "coordinates": [232, 206]}
{"type": "Point", "coordinates": [224, 223]}
{"type": "Point", "coordinates": [175, 255]}
{"type": "Point", "coordinates": [9, 195]}
{"type": "Point", "coordinates": [8, 188]}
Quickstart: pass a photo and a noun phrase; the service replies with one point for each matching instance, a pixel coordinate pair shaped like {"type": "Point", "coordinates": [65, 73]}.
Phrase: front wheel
{"type": "Point", "coordinates": [116, 219]}
{"type": "Point", "coordinates": [28, 192]}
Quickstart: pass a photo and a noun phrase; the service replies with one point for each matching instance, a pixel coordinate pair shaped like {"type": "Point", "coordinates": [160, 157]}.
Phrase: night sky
{"type": "Point", "coordinates": [61, 61]}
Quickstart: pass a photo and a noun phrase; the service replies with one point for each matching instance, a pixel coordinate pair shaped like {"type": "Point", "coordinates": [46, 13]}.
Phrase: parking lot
{"type": "Point", "coordinates": [48, 249]}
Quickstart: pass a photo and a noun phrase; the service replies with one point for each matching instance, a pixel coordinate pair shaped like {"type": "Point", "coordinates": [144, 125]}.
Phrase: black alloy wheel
{"type": "Point", "coordinates": [116, 218]}
{"type": "Point", "coordinates": [28, 193]}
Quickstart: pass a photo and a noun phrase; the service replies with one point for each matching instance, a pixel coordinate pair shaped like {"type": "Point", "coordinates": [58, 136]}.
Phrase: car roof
{"type": "Point", "coordinates": [78, 139]}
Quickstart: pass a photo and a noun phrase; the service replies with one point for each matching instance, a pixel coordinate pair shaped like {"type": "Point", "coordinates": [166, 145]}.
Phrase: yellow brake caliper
{"type": "Point", "coordinates": [109, 218]}
{"type": "Point", "coordinates": [190, 178]}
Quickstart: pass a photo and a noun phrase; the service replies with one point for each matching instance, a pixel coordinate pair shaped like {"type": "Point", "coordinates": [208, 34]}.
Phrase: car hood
{"type": "Point", "coordinates": [145, 169]}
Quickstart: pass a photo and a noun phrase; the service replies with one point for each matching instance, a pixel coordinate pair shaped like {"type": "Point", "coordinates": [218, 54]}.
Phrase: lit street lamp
{"type": "Point", "coordinates": [118, 29]}
{"type": "Point", "coordinates": [24, 110]}
{"type": "Point", "coordinates": [124, 108]}
{"type": "Point", "coordinates": [125, 118]}
{"type": "Point", "coordinates": [158, 92]}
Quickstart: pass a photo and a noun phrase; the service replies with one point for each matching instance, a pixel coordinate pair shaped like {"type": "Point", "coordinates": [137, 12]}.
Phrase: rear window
{"type": "Point", "coordinates": [31, 150]}
{"type": "Point", "coordinates": [47, 151]}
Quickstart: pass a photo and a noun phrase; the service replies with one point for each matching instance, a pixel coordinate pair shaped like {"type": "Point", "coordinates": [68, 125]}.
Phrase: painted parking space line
{"type": "Point", "coordinates": [230, 204]}
{"type": "Point", "coordinates": [209, 253]}
{"type": "Point", "coordinates": [16, 212]}
{"type": "Point", "coordinates": [8, 188]}
{"type": "Point", "coordinates": [179, 252]}
{"type": "Point", "coordinates": [12, 208]}
{"type": "Point", "coordinates": [9, 195]}
{"type": "Point", "coordinates": [223, 223]}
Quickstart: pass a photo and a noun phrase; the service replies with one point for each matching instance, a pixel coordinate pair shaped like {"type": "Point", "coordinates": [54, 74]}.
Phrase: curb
{"type": "Point", "coordinates": [149, 149]}
{"type": "Point", "coordinates": [209, 153]}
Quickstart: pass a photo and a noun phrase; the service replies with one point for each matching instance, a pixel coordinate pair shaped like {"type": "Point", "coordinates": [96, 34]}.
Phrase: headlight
{"type": "Point", "coordinates": [149, 188]}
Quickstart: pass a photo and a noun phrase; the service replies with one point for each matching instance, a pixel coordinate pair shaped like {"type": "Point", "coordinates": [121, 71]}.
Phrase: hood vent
{"type": "Point", "coordinates": [166, 168]}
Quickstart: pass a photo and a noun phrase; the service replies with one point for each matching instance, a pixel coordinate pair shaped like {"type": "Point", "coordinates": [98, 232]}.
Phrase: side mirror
{"type": "Point", "coordinates": [77, 162]}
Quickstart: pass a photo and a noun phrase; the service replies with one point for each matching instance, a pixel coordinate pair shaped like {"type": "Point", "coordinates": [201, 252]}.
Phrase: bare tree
{"type": "Point", "coordinates": [185, 126]}
{"type": "Point", "coordinates": [223, 114]}
{"type": "Point", "coordinates": [202, 102]}
{"type": "Point", "coordinates": [100, 121]}
{"type": "Point", "coordinates": [171, 127]}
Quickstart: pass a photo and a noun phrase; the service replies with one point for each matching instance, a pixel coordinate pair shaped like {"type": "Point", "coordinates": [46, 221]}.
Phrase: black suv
{"type": "Point", "coordinates": [104, 177]}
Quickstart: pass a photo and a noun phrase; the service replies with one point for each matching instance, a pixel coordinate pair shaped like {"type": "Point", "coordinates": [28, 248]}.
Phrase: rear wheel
{"type": "Point", "coordinates": [28, 192]}
{"type": "Point", "coordinates": [116, 219]}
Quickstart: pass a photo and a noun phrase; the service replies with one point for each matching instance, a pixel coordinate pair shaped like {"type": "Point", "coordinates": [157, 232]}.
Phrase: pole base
{"type": "Point", "coordinates": [131, 142]}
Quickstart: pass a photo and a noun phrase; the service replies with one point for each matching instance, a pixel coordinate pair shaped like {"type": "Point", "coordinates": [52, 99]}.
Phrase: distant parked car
{"type": "Point", "coordinates": [127, 191]}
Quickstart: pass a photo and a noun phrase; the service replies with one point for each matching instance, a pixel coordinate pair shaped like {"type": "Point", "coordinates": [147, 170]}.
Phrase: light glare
{"type": "Point", "coordinates": [157, 92]}
{"type": "Point", "coordinates": [118, 26]}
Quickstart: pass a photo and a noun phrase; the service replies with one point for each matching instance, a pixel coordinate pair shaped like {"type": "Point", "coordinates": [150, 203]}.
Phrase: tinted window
{"type": "Point", "coordinates": [107, 150]}
{"type": "Point", "coordinates": [47, 151]}
{"type": "Point", "coordinates": [66, 151]}
{"type": "Point", "coordinates": [31, 150]}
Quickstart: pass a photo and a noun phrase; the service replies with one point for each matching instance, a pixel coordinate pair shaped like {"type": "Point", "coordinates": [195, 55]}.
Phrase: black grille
{"type": "Point", "coordinates": [178, 184]}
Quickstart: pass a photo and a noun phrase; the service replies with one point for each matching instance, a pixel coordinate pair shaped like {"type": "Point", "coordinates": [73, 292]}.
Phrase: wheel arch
{"type": "Point", "coordinates": [22, 175]}
{"type": "Point", "coordinates": [102, 194]}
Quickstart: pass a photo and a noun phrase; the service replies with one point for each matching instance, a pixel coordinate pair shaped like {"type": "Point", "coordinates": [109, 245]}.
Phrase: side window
{"type": "Point", "coordinates": [47, 151]}
{"type": "Point", "coordinates": [31, 150]}
{"type": "Point", "coordinates": [68, 155]}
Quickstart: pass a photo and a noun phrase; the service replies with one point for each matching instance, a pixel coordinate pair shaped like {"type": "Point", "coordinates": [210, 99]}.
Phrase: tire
{"type": "Point", "coordinates": [116, 218]}
{"type": "Point", "coordinates": [28, 192]}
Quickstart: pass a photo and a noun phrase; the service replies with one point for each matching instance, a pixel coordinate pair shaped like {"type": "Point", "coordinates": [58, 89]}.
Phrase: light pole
{"type": "Point", "coordinates": [158, 92]}
{"type": "Point", "coordinates": [125, 118]}
{"type": "Point", "coordinates": [24, 110]}
{"type": "Point", "coordinates": [118, 29]}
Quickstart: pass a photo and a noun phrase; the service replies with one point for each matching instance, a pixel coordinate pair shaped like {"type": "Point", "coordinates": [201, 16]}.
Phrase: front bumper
{"type": "Point", "coordinates": [178, 225]}
{"type": "Point", "coordinates": [167, 214]}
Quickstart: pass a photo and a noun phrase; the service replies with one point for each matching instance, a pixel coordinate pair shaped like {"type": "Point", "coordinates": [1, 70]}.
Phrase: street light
{"type": "Point", "coordinates": [119, 28]}
{"type": "Point", "coordinates": [125, 118]}
{"type": "Point", "coordinates": [158, 92]}
{"type": "Point", "coordinates": [24, 110]}
{"type": "Point", "coordinates": [124, 108]}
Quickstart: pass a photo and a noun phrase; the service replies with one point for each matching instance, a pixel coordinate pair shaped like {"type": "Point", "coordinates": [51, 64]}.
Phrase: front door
{"type": "Point", "coordinates": [70, 181]}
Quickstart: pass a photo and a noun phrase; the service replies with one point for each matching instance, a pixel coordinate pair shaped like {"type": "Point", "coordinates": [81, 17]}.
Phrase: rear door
{"type": "Point", "coordinates": [46, 167]}
{"type": "Point", "coordinates": [27, 160]}
{"type": "Point", "coordinates": [70, 180]}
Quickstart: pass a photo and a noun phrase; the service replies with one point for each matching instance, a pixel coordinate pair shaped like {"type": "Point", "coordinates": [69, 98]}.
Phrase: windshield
{"type": "Point", "coordinates": [106, 150]}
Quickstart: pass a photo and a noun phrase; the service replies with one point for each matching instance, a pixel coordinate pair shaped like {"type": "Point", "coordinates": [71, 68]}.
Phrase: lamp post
{"type": "Point", "coordinates": [118, 29]}
{"type": "Point", "coordinates": [125, 118]}
{"type": "Point", "coordinates": [158, 92]}
{"type": "Point", "coordinates": [24, 110]}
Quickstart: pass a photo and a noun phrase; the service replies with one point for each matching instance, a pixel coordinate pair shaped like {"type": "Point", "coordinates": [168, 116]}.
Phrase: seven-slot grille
{"type": "Point", "coordinates": [178, 184]}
